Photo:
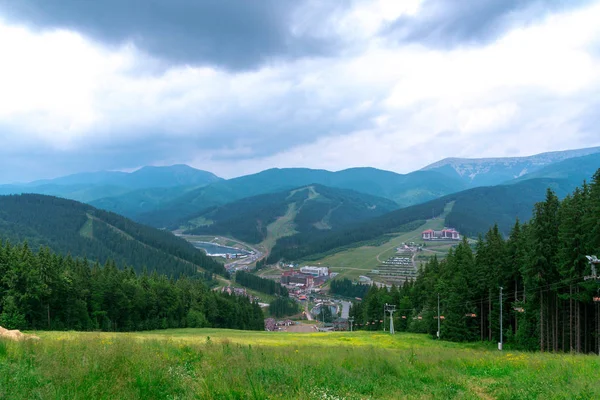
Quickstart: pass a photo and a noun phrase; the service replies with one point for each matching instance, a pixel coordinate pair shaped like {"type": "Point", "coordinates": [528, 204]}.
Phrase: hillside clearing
{"type": "Point", "coordinates": [358, 261]}
{"type": "Point", "coordinates": [222, 364]}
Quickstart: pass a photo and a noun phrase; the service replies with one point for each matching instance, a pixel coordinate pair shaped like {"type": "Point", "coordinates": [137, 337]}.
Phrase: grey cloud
{"type": "Point", "coordinates": [446, 24]}
{"type": "Point", "coordinates": [238, 135]}
{"type": "Point", "coordinates": [231, 34]}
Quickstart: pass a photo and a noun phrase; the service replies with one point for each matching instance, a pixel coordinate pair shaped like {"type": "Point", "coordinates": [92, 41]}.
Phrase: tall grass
{"type": "Point", "coordinates": [218, 364]}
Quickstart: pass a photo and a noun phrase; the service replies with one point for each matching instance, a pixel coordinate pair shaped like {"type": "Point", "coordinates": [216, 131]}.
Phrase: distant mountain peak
{"type": "Point", "coordinates": [492, 171]}
{"type": "Point", "coordinates": [536, 159]}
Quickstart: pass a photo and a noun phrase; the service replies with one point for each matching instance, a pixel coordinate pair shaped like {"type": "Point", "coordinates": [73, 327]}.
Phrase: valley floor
{"type": "Point", "coordinates": [225, 364]}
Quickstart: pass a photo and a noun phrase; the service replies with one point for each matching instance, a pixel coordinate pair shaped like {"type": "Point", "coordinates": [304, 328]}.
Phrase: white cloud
{"type": "Point", "coordinates": [396, 107]}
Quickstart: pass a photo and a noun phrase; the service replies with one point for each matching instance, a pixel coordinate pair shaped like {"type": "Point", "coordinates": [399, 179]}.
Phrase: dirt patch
{"type": "Point", "coordinates": [16, 335]}
{"type": "Point", "coordinates": [301, 328]}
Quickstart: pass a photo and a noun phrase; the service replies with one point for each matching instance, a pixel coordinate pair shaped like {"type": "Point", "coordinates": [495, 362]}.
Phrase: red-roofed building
{"type": "Point", "coordinates": [444, 234]}
{"type": "Point", "coordinates": [428, 234]}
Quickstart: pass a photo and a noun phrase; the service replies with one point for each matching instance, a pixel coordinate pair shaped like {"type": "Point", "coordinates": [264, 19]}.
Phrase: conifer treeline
{"type": "Point", "coordinates": [547, 303]}
{"type": "Point", "coordinates": [345, 287]}
{"type": "Point", "coordinates": [262, 285]}
{"type": "Point", "coordinates": [44, 290]}
{"type": "Point", "coordinates": [283, 306]}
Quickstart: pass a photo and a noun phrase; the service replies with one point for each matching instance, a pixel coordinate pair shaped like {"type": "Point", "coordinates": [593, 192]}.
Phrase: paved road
{"type": "Point", "coordinates": [345, 309]}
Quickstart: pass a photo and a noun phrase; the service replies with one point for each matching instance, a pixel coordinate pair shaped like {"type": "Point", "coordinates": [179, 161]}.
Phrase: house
{"type": "Point", "coordinates": [315, 271]}
{"type": "Point", "coordinates": [444, 234]}
{"type": "Point", "coordinates": [292, 278]}
{"type": "Point", "coordinates": [270, 324]}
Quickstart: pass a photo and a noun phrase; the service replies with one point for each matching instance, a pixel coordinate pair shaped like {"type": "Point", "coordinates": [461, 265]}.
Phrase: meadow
{"type": "Point", "coordinates": [225, 364]}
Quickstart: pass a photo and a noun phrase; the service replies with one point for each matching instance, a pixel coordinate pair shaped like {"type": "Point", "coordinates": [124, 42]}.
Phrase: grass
{"type": "Point", "coordinates": [281, 227]}
{"type": "Point", "coordinates": [358, 261]}
{"type": "Point", "coordinates": [87, 230]}
{"type": "Point", "coordinates": [221, 364]}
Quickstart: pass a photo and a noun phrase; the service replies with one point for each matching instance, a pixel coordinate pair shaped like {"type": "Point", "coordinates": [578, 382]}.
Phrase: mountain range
{"type": "Point", "coordinates": [295, 211]}
{"type": "Point", "coordinates": [403, 190]}
{"type": "Point", "coordinates": [91, 186]}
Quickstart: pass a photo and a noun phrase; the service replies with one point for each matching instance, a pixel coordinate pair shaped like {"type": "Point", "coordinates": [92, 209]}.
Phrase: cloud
{"type": "Point", "coordinates": [70, 103]}
{"type": "Point", "coordinates": [232, 34]}
{"type": "Point", "coordinates": [446, 24]}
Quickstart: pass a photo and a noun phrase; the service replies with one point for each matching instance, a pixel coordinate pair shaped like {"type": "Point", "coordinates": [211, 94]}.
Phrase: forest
{"type": "Point", "coordinates": [46, 291]}
{"type": "Point", "coordinates": [283, 306]}
{"type": "Point", "coordinates": [550, 299]}
{"type": "Point", "coordinates": [345, 287]}
{"type": "Point", "coordinates": [259, 284]}
{"type": "Point", "coordinates": [471, 214]}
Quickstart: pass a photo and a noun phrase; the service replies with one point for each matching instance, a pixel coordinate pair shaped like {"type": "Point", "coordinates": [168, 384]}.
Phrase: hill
{"type": "Point", "coordinates": [575, 169]}
{"type": "Point", "coordinates": [473, 212]}
{"type": "Point", "coordinates": [493, 171]}
{"type": "Point", "coordinates": [309, 209]}
{"type": "Point", "coordinates": [413, 188]}
{"type": "Point", "coordinates": [140, 201]}
{"type": "Point", "coordinates": [91, 186]}
{"type": "Point", "coordinates": [145, 177]}
{"type": "Point", "coordinates": [70, 227]}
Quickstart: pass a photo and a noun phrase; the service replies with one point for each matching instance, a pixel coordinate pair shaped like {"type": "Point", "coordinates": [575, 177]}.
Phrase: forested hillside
{"type": "Point", "coordinates": [309, 209]}
{"type": "Point", "coordinates": [406, 219]}
{"type": "Point", "coordinates": [133, 203]}
{"type": "Point", "coordinates": [69, 227]}
{"type": "Point", "coordinates": [45, 290]}
{"type": "Point", "coordinates": [474, 210]}
{"type": "Point", "coordinates": [548, 303]}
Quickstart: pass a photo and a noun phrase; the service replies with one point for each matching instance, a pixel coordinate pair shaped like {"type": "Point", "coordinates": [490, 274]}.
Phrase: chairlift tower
{"type": "Point", "coordinates": [351, 320]}
{"type": "Point", "coordinates": [391, 309]}
{"type": "Point", "coordinates": [593, 262]}
{"type": "Point", "coordinates": [594, 276]}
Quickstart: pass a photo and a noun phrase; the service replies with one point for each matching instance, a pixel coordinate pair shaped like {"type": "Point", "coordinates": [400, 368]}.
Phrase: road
{"type": "Point", "coordinates": [345, 309]}
{"type": "Point", "coordinates": [308, 315]}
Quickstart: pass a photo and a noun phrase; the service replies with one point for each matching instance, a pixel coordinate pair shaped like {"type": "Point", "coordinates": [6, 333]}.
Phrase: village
{"type": "Point", "coordinates": [308, 286]}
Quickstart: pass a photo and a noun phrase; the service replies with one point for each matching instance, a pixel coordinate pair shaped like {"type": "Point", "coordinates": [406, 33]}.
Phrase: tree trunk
{"type": "Point", "coordinates": [489, 315]}
{"type": "Point", "coordinates": [571, 318]}
{"type": "Point", "coordinates": [481, 318]}
{"type": "Point", "coordinates": [541, 321]}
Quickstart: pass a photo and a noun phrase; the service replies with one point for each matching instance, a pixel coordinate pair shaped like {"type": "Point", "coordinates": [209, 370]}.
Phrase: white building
{"type": "Point", "coordinates": [315, 271]}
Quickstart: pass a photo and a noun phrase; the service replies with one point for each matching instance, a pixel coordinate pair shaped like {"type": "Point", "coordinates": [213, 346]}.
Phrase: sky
{"type": "Point", "coordinates": [237, 86]}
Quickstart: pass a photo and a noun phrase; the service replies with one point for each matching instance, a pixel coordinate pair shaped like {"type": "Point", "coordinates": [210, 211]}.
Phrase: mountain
{"type": "Point", "coordinates": [145, 177]}
{"type": "Point", "coordinates": [309, 209]}
{"type": "Point", "coordinates": [70, 227]}
{"type": "Point", "coordinates": [404, 190]}
{"type": "Point", "coordinates": [79, 192]}
{"type": "Point", "coordinates": [493, 171]}
{"type": "Point", "coordinates": [140, 201]}
{"type": "Point", "coordinates": [473, 212]}
{"type": "Point", "coordinates": [91, 186]}
{"type": "Point", "coordinates": [573, 169]}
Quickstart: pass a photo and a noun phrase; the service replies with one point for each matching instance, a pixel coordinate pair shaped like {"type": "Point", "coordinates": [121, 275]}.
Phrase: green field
{"type": "Point", "coordinates": [222, 364]}
{"type": "Point", "coordinates": [358, 261]}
